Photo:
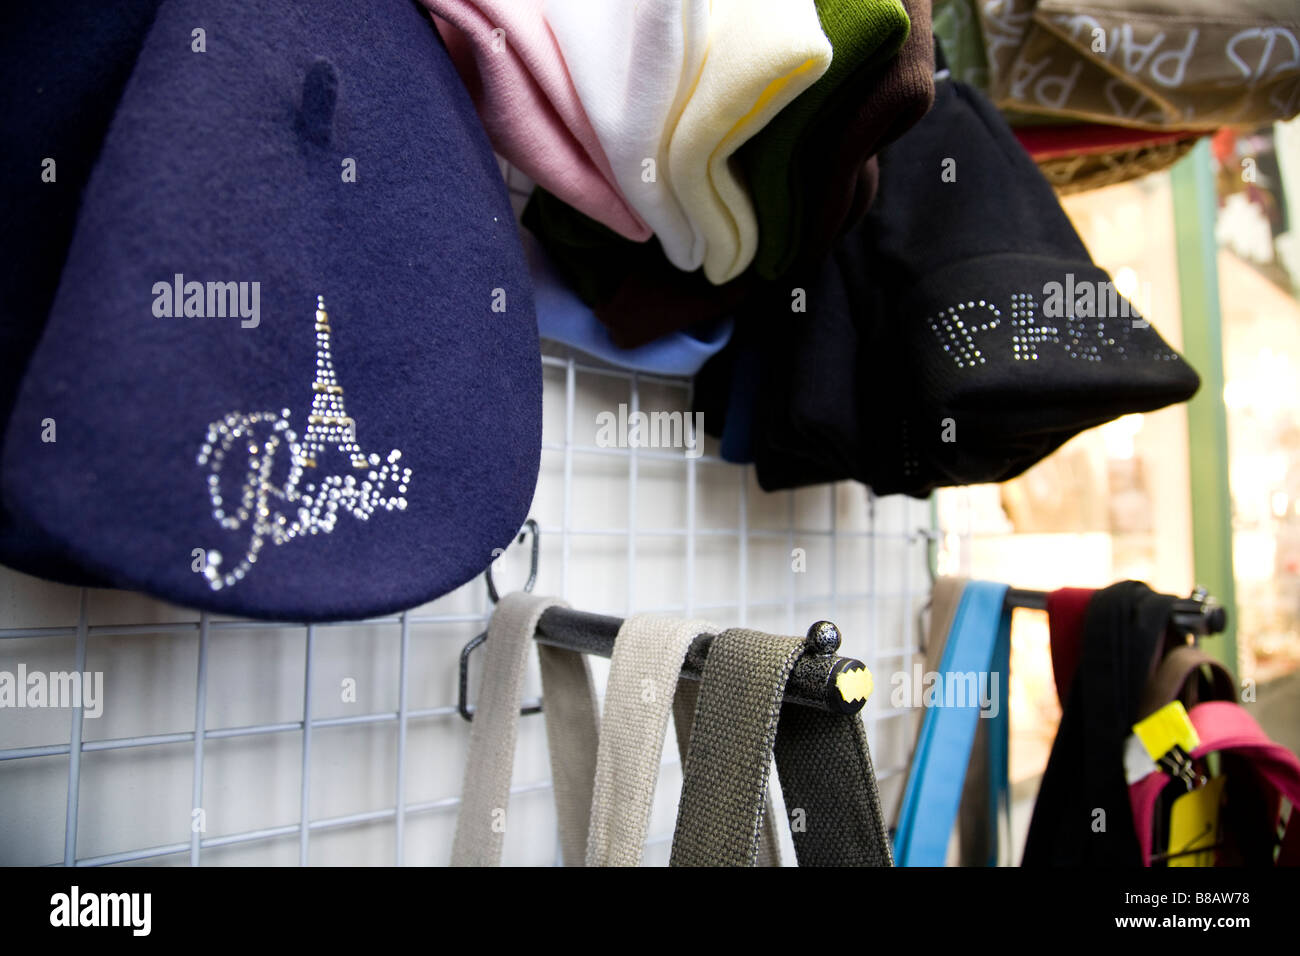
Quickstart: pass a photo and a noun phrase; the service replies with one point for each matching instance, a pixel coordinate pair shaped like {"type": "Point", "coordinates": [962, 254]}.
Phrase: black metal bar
{"type": "Point", "coordinates": [820, 679]}
{"type": "Point", "coordinates": [1199, 616]}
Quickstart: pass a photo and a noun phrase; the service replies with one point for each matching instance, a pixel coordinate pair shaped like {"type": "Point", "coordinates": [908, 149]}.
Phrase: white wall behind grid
{"type": "Point", "coordinates": [247, 720]}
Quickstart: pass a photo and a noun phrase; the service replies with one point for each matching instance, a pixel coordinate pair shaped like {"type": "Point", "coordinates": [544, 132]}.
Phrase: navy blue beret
{"type": "Point", "coordinates": [62, 69]}
{"type": "Point", "coordinates": [291, 367]}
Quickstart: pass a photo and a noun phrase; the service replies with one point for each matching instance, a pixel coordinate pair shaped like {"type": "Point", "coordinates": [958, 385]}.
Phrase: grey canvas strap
{"type": "Point", "coordinates": [830, 790]}
{"type": "Point", "coordinates": [643, 678]}
{"type": "Point", "coordinates": [684, 705]}
{"type": "Point", "coordinates": [724, 791]}
{"type": "Point", "coordinates": [569, 708]}
{"type": "Point", "coordinates": [571, 734]}
{"type": "Point", "coordinates": [824, 766]}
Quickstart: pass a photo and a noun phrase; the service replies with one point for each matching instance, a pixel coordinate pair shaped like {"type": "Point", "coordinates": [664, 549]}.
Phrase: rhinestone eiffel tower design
{"type": "Point", "coordinates": [281, 512]}
{"type": "Point", "coordinates": [328, 424]}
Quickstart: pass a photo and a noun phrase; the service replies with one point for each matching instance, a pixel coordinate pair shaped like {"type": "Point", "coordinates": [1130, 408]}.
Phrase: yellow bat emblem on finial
{"type": "Point", "coordinates": [855, 684]}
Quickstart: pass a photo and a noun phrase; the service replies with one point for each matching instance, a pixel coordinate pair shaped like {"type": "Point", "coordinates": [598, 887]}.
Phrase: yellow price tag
{"type": "Point", "coordinates": [1167, 728]}
{"type": "Point", "coordinates": [1194, 825]}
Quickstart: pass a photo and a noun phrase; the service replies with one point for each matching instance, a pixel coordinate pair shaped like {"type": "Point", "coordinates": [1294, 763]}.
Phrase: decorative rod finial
{"type": "Point", "coordinates": [823, 638]}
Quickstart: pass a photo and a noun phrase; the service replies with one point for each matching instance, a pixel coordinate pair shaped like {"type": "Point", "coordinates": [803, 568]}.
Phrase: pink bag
{"type": "Point", "coordinates": [1225, 727]}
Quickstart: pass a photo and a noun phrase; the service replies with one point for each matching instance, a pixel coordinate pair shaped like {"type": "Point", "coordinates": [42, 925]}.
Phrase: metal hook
{"type": "Point", "coordinates": [529, 525]}
{"type": "Point", "coordinates": [931, 537]}
{"type": "Point", "coordinates": [462, 698]}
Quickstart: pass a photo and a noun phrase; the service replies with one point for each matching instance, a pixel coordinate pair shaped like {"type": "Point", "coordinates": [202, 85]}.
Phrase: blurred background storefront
{"type": "Point", "coordinates": [1206, 494]}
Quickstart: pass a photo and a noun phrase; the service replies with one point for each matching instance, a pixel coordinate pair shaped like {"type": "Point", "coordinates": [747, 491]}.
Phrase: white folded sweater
{"type": "Point", "coordinates": [761, 55]}
{"type": "Point", "coordinates": [634, 63]}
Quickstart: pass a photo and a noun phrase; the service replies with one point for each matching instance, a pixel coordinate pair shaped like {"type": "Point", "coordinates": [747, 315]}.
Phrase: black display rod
{"type": "Point", "coordinates": [820, 679]}
{"type": "Point", "coordinates": [1200, 614]}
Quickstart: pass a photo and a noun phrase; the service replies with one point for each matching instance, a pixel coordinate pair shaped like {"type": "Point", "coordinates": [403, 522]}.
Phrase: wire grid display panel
{"type": "Point", "coordinates": [231, 742]}
{"type": "Point", "coordinates": [225, 741]}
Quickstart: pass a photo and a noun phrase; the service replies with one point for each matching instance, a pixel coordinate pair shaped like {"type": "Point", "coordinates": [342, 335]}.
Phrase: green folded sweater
{"type": "Point", "coordinates": [787, 163]}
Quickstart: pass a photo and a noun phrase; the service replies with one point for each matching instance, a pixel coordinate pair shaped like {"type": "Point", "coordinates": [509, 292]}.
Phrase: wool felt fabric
{"type": "Point", "coordinates": [258, 464]}
{"type": "Point", "coordinates": [927, 357]}
{"type": "Point", "coordinates": [515, 73]}
{"type": "Point", "coordinates": [1123, 629]}
{"type": "Point", "coordinates": [634, 71]}
{"type": "Point", "coordinates": [685, 704]}
{"type": "Point", "coordinates": [762, 54]}
{"type": "Point", "coordinates": [62, 72]}
{"type": "Point", "coordinates": [563, 317]}
{"type": "Point", "coordinates": [569, 702]}
{"type": "Point", "coordinates": [643, 677]}
{"type": "Point", "coordinates": [733, 386]}
{"type": "Point", "coordinates": [786, 163]}
{"type": "Point", "coordinates": [823, 764]}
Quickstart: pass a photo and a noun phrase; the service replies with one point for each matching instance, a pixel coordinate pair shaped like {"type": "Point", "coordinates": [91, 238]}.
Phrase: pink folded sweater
{"type": "Point", "coordinates": [509, 60]}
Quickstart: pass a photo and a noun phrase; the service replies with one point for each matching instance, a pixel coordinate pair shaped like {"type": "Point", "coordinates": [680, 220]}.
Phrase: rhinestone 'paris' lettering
{"type": "Point", "coordinates": [279, 494]}
{"type": "Point", "coordinates": [966, 334]}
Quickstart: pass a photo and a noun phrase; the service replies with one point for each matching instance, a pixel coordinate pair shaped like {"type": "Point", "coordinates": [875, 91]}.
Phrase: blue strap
{"type": "Point", "coordinates": [979, 643]}
{"type": "Point", "coordinates": [999, 752]}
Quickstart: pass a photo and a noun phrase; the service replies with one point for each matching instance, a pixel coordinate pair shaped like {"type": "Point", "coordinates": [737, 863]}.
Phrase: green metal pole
{"type": "Point", "coordinates": [1207, 424]}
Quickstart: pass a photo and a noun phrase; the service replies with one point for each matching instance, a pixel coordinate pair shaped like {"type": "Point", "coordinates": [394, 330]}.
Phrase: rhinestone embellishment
{"type": "Point", "coordinates": [280, 495]}
{"type": "Point", "coordinates": [959, 330]}
{"type": "Point", "coordinates": [956, 330]}
{"type": "Point", "coordinates": [1027, 336]}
